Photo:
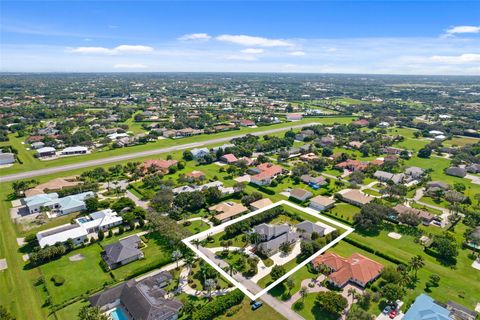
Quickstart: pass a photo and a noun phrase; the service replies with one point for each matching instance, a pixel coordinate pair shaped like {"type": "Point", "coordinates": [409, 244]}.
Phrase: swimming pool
{"type": "Point", "coordinates": [83, 220]}
{"type": "Point", "coordinates": [118, 314]}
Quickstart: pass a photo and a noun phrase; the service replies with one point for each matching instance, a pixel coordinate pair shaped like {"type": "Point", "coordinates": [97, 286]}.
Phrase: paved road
{"type": "Point", "coordinates": [129, 156]}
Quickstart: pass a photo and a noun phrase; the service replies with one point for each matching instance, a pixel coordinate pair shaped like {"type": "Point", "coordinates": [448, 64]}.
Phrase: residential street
{"type": "Point", "coordinates": [129, 156]}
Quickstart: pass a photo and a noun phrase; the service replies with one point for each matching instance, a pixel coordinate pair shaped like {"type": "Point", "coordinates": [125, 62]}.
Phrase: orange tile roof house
{"type": "Point", "coordinates": [265, 173]}
{"type": "Point", "coordinates": [159, 165]}
{"type": "Point", "coordinates": [228, 158]}
{"type": "Point", "coordinates": [195, 175]}
{"type": "Point", "coordinates": [356, 269]}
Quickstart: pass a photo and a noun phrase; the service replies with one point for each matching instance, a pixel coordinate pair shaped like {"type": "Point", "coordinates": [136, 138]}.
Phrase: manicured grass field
{"type": "Point", "coordinates": [197, 226]}
{"type": "Point", "coordinates": [460, 141]}
{"type": "Point", "coordinates": [344, 211]}
{"type": "Point", "coordinates": [80, 276]}
{"type": "Point", "coordinates": [246, 313]}
{"type": "Point", "coordinates": [69, 312]}
{"type": "Point", "coordinates": [312, 311]}
{"type": "Point", "coordinates": [460, 284]}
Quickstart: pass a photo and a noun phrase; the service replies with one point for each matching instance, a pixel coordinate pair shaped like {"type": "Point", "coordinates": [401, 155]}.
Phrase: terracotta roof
{"type": "Point", "coordinates": [267, 170]}
{"type": "Point", "coordinates": [159, 164]}
{"type": "Point", "coordinates": [355, 268]}
{"type": "Point", "coordinates": [229, 158]}
{"type": "Point", "coordinates": [195, 174]}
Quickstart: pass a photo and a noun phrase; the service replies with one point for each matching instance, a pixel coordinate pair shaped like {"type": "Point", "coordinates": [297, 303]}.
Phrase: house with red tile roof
{"type": "Point", "coordinates": [159, 165]}
{"type": "Point", "coordinates": [352, 165]}
{"type": "Point", "coordinates": [195, 175]}
{"type": "Point", "coordinates": [265, 173]}
{"type": "Point", "coordinates": [361, 122]}
{"type": "Point", "coordinates": [247, 123]}
{"type": "Point", "coordinates": [228, 158]}
{"type": "Point", "coordinates": [356, 269]}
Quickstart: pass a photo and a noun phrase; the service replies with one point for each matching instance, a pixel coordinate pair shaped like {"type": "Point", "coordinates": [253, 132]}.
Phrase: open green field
{"type": "Point", "coordinates": [246, 313]}
{"type": "Point", "coordinates": [197, 226]}
{"type": "Point", "coordinates": [461, 141]}
{"type": "Point", "coordinates": [80, 276]}
{"type": "Point", "coordinates": [31, 163]}
{"type": "Point", "coordinates": [460, 283]}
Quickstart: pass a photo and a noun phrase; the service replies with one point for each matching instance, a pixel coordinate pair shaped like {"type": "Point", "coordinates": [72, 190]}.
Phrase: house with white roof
{"type": "Point", "coordinates": [199, 152]}
{"type": "Point", "coordinates": [80, 229]}
{"type": "Point", "coordinates": [74, 151]}
{"type": "Point", "coordinates": [59, 206]}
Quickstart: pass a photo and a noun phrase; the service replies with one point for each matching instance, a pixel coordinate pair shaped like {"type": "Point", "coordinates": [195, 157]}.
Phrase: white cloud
{"type": "Point", "coordinates": [252, 51]}
{"type": "Point", "coordinates": [241, 57]}
{"type": "Point", "coordinates": [245, 40]}
{"type": "Point", "coordinates": [124, 48]}
{"type": "Point", "coordinates": [297, 53]}
{"type": "Point", "coordinates": [132, 49]}
{"type": "Point", "coordinates": [463, 58]}
{"type": "Point", "coordinates": [195, 36]}
{"type": "Point", "coordinates": [129, 66]}
{"type": "Point", "coordinates": [463, 29]}
{"type": "Point", "coordinates": [91, 50]}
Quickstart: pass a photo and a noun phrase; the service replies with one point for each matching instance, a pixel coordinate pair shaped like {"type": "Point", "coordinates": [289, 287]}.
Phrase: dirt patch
{"type": "Point", "coordinates": [3, 264]}
{"type": "Point", "coordinates": [394, 235]}
{"type": "Point", "coordinates": [76, 257]}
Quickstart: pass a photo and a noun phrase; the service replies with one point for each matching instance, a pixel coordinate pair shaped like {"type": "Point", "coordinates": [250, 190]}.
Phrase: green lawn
{"type": "Point", "coordinates": [70, 311]}
{"type": "Point", "coordinates": [460, 283]}
{"type": "Point", "coordinates": [80, 276]}
{"type": "Point", "coordinates": [344, 211]}
{"type": "Point", "coordinates": [312, 311]}
{"type": "Point", "coordinates": [246, 313]}
{"type": "Point", "coordinates": [460, 141]}
{"type": "Point", "coordinates": [372, 192]}
{"type": "Point", "coordinates": [197, 226]}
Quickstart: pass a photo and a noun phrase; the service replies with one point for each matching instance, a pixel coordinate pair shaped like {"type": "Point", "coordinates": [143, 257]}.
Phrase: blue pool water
{"type": "Point", "coordinates": [118, 314]}
{"type": "Point", "coordinates": [83, 220]}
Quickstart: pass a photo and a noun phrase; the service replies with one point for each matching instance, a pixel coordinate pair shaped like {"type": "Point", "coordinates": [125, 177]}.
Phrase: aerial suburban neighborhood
{"type": "Point", "coordinates": [301, 176]}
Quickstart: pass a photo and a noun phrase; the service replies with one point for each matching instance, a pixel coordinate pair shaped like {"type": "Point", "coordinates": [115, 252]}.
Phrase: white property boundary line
{"type": "Point", "coordinates": [222, 226]}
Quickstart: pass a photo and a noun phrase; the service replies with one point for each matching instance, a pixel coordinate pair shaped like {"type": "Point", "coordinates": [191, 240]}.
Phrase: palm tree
{"type": "Point", "coordinates": [416, 263]}
{"type": "Point", "coordinates": [196, 242]}
{"type": "Point", "coordinates": [230, 270]}
{"type": "Point", "coordinates": [176, 256]}
{"type": "Point", "coordinates": [352, 292]}
{"type": "Point", "coordinates": [303, 292]}
{"type": "Point", "coordinates": [209, 285]}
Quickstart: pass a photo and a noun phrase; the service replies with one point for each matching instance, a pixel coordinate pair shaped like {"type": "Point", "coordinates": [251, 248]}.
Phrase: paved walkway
{"type": "Point", "coordinates": [137, 201]}
{"type": "Point", "coordinates": [317, 288]}
{"type": "Point", "coordinates": [210, 223]}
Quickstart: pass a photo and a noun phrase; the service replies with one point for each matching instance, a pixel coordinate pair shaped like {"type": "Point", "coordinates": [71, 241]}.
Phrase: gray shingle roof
{"type": "Point", "coordinates": [122, 250]}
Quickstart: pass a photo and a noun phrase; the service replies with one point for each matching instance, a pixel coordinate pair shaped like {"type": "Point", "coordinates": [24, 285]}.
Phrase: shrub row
{"type": "Point", "coordinates": [373, 251]}
{"type": "Point", "coordinates": [218, 306]}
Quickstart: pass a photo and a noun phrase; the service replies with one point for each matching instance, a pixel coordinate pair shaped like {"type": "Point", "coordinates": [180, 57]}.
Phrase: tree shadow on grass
{"type": "Point", "coordinates": [320, 314]}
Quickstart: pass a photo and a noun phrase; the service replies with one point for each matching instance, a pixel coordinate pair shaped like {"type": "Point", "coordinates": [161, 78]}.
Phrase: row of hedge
{"type": "Point", "coordinates": [219, 306]}
{"type": "Point", "coordinates": [373, 251]}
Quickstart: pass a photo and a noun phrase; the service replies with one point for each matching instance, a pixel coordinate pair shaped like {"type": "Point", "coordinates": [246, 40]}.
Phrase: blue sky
{"type": "Point", "coordinates": [401, 37]}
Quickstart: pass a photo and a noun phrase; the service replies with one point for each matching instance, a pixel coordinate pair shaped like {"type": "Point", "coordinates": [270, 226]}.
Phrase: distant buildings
{"type": "Point", "coordinates": [7, 158]}
{"type": "Point", "coordinates": [294, 116]}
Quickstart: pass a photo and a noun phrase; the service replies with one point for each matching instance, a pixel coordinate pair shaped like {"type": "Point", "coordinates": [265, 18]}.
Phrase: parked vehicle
{"type": "Point", "coordinates": [393, 314]}
{"type": "Point", "coordinates": [387, 310]}
{"type": "Point", "coordinates": [256, 305]}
